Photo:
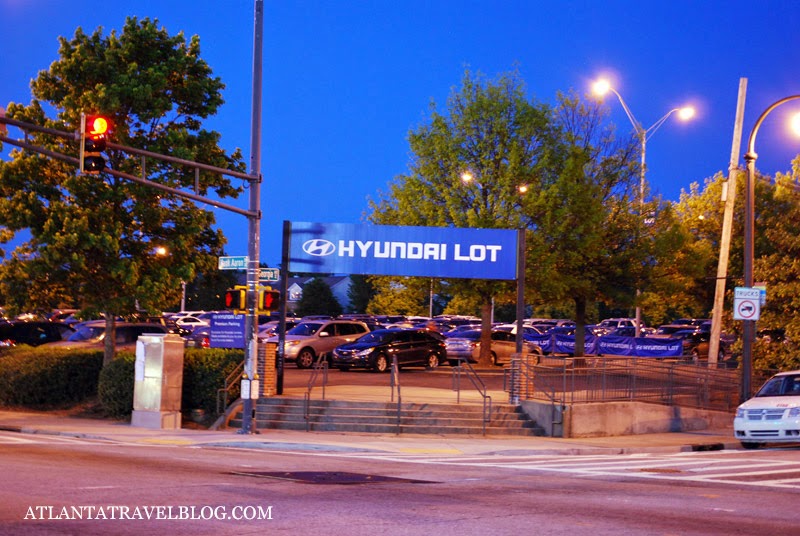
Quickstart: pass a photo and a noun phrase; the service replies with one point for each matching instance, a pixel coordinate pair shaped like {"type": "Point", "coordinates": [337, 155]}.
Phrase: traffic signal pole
{"type": "Point", "coordinates": [254, 235]}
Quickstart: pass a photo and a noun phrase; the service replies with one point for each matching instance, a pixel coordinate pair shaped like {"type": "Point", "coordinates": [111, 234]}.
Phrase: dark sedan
{"type": "Point", "coordinates": [376, 350]}
{"type": "Point", "coordinates": [33, 333]}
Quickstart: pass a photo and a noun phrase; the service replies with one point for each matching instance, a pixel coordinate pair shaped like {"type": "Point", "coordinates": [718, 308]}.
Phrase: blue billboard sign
{"type": "Point", "coordinates": [456, 252]}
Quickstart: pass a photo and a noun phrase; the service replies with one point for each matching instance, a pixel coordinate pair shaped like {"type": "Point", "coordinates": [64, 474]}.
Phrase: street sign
{"type": "Point", "coordinates": [746, 303]}
{"type": "Point", "coordinates": [269, 275]}
{"type": "Point", "coordinates": [233, 263]}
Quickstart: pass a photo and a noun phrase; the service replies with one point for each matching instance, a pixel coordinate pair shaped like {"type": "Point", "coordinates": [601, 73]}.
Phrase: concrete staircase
{"type": "Point", "coordinates": [286, 413]}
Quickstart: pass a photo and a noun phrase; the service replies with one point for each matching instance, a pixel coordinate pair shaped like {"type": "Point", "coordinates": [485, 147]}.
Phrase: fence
{"type": "Point", "coordinates": [606, 379]}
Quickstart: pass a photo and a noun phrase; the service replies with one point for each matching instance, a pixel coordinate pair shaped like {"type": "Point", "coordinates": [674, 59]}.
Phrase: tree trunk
{"type": "Point", "coordinates": [109, 339]}
{"type": "Point", "coordinates": [485, 359]}
{"type": "Point", "coordinates": [580, 326]}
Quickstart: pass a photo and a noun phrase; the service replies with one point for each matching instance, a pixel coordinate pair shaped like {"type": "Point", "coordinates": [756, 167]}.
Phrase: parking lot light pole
{"type": "Point", "coordinates": [748, 331]}
{"type": "Point", "coordinates": [685, 113]}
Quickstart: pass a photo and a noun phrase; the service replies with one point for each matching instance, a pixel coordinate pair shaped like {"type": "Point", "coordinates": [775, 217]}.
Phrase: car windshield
{"type": "Point", "coordinates": [87, 333]}
{"type": "Point", "coordinates": [469, 335]}
{"type": "Point", "coordinates": [781, 386]}
{"type": "Point", "coordinates": [305, 328]}
{"type": "Point", "coordinates": [377, 337]}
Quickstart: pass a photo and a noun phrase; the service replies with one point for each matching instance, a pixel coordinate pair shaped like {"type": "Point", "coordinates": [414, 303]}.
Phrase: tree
{"type": "Point", "coordinates": [93, 237]}
{"type": "Point", "coordinates": [586, 241]}
{"type": "Point", "coordinates": [360, 293]}
{"type": "Point", "coordinates": [491, 130]}
{"type": "Point", "coordinates": [318, 299]}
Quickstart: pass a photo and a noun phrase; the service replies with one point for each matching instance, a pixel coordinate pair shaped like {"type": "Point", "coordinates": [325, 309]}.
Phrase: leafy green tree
{"type": "Point", "coordinates": [318, 299]}
{"type": "Point", "coordinates": [360, 293]}
{"type": "Point", "coordinates": [399, 296]}
{"type": "Point", "coordinates": [93, 237]}
{"type": "Point", "coordinates": [586, 239]}
{"type": "Point", "coordinates": [492, 131]}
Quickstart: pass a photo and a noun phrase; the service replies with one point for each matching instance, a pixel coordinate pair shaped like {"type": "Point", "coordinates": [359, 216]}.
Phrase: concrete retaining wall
{"type": "Point", "coordinates": [621, 418]}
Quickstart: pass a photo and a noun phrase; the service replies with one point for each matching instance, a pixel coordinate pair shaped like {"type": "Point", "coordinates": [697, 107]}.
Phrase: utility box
{"type": "Point", "coordinates": [158, 381]}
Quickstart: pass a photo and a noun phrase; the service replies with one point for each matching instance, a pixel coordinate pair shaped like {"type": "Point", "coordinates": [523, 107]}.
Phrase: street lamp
{"type": "Point", "coordinates": [750, 156]}
{"type": "Point", "coordinates": [602, 87]}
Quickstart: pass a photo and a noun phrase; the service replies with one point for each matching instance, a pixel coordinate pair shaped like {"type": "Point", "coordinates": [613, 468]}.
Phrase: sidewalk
{"type": "Point", "coordinates": [28, 422]}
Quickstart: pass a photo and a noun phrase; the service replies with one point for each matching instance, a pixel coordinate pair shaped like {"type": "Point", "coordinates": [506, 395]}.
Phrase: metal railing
{"type": "Point", "coordinates": [598, 379]}
{"type": "Point", "coordinates": [231, 380]}
{"type": "Point", "coordinates": [465, 368]}
{"type": "Point", "coordinates": [394, 380]}
{"type": "Point", "coordinates": [320, 365]}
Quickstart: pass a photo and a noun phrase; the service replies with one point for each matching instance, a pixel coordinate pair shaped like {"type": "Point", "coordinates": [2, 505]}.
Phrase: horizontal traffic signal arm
{"type": "Point", "coordinates": [134, 178]}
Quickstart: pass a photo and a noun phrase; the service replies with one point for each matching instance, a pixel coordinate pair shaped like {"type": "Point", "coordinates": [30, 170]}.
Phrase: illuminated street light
{"type": "Point", "coordinates": [749, 229]}
{"type": "Point", "coordinates": [601, 88]}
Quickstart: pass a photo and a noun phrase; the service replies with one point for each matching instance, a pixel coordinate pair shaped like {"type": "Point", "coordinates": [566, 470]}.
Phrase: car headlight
{"type": "Point", "coordinates": [739, 413]}
{"type": "Point", "coordinates": [794, 412]}
{"type": "Point", "coordinates": [364, 353]}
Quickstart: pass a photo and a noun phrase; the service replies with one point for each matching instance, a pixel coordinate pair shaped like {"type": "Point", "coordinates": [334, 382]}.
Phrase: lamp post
{"type": "Point", "coordinates": [748, 332]}
{"type": "Point", "coordinates": [601, 88]}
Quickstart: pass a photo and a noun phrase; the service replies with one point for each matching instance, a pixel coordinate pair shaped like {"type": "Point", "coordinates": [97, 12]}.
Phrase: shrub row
{"type": "Point", "coordinates": [48, 378]}
{"type": "Point", "coordinates": [44, 378]}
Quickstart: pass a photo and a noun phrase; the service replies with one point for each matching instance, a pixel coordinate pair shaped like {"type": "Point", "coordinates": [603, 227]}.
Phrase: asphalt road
{"type": "Point", "coordinates": [50, 482]}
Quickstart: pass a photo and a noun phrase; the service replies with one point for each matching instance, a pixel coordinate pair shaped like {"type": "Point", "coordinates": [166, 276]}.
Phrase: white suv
{"type": "Point", "coordinates": [773, 415]}
{"type": "Point", "coordinates": [308, 340]}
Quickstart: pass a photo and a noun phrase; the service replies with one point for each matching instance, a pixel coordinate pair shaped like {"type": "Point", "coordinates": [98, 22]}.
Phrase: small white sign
{"type": "Point", "coordinates": [746, 303]}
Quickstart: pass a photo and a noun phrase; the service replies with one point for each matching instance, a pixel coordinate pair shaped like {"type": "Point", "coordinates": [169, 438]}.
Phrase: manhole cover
{"type": "Point", "coordinates": [330, 477]}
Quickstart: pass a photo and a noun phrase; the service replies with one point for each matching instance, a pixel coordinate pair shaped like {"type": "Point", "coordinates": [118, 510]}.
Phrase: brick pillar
{"type": "Point", "coordinates": [268, 385]}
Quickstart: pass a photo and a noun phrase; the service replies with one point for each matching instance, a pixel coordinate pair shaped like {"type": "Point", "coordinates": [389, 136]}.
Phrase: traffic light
{"type": "Point", "coordinates": [268, 299]}
{"type": "Point", "coordinates": [94, 131]}
{"type": "Point", "coordinates": [236, 298]}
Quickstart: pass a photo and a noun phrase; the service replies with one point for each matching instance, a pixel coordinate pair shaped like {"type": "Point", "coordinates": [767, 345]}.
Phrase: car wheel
{"type": "Point", "coordinates": [750, 446]}
{"type": "Point", "coordinates": [305, 359]}
{"type": "Point", "coordinates": [381, 364]}
{"type": "Point", "coordinates": [432, 361]}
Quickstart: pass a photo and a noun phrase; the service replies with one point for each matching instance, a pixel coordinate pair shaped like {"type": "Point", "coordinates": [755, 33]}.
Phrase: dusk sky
{"type": "Point", "coordinates": [345, 81]}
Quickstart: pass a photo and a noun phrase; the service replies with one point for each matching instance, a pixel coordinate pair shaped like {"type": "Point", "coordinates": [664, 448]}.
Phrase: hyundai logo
{"type": "Point", "coordinates": [319, 247]}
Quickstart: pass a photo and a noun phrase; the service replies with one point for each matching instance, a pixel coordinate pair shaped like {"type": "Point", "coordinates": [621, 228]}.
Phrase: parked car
{"type": "Point", "coordinates": [772, 415]}
{"type": "Point", "coordinates": [467, 346]}
{"type": "Point", "coordinates": [310, 339]}
{"type": "Point", "coordinates": [193, 321]}
{"type": "Point", "coordinates": [610, 324]}
{"type": "Point", "coordinates": [696, 344]}
{"type": "Point", "coordinates": [199, 338]}
{"type": "Point", "coordinates": [92, 334]}
{"type": "Point", "coordinates": [376, 350]}
{"type": "Point", "coordinates": [33, 333]}
{"type": "Point", "coordinates": [269, 329]}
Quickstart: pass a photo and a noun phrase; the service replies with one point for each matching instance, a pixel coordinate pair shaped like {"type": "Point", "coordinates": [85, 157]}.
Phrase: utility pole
{"type": "Point", "coordinates": [254, 234]}
{"type": "Point", "coordinates": [729, 197]}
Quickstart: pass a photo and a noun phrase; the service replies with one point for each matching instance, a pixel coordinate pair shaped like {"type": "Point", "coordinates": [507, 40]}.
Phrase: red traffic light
{"type": "Point", "coordinates": [96, 125]}
{"type": "Point", "coordinates": [94, 131]}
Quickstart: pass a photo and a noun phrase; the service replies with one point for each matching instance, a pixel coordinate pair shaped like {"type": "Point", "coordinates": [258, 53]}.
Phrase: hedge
{"type": "Point", "coordinates": [54, 378]}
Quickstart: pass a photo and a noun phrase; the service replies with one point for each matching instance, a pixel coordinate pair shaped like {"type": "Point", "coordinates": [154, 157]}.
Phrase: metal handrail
{"type": "Point", "coordinates": [477, 383]}
{"type": "Point", "coordinates": [395, 382]}
{"type": "Point", "coordinates": [230, 380]}
{"type": "Point", "coordinates": [321, 364]}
